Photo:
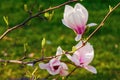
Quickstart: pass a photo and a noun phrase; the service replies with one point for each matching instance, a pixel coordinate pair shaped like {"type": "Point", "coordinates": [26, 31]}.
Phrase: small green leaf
{"type": "Point", "coordinates": [110, 8]}
{"type": "Point", "coordinates": [47, 15]}
{"type": "Point", "coordinates": [25, 47]}
{"type": "Point", "coordinates": [6, 20]}
{"type": "Point", "coordinates": [25, 7]}
{"type": "Point", "coordinates": [74, 49]}
{"type": "Point", "coordinates": [51, 15]}
{"type": "Point", "coordinates": [43, 42]}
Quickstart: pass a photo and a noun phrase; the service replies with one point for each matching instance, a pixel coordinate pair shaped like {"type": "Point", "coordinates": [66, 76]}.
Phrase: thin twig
{"type": "Point", "coordinates": [33, 16]}
{"type": "Point", "coordinates": [71, 72]}
{"type": "Point", "coordinates": [24, 62]}
{"type": "Point", "coordinates": [102, 22]}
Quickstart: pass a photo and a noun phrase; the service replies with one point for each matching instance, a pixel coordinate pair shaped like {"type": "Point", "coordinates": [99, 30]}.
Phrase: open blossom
{"type": "Point", "coordinates": [83, 57]}
{"type": "Point", "coordinates": [76, 19]}
{"type": "Point", "coordinates": [55, 66]}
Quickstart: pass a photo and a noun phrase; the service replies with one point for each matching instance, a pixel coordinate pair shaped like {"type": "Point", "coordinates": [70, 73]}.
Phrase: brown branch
{"type": "Point", "coordinates": [24, 62]}
{"type": "Point", "coordinates": [33, 16]}
{"type": "Point", "coordinates": [102, 22]}
{"type": "Point", "coordinates": [12, 61]}
{"type": "Point", "coordinates": [71, 72]}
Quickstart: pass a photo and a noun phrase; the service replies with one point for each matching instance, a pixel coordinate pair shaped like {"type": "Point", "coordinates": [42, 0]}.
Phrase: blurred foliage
{"type": "Point", "coordinates": [106, 41]}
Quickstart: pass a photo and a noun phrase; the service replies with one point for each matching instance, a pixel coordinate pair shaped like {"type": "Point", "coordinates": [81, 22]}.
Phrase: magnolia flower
{"type": "Point", "coordinates": [83, 57]}
{"type": "Point", "coordinates": [76, 19]}
{"type": "Point", "coordinates": [55, 66]}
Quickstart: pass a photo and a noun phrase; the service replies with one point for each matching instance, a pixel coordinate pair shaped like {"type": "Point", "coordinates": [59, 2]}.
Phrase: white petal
{"type": "Point", "coordinates": [78, 37]}
{"type": "Point", "coordinates": [68, 23]}
{"type": "Point", "coordinates": [86, 53]}
{"type": "Point", "coordinates": [64, 66]}
{"type": "Point", "coordinates": [74, 20]}
{"type": "Point", "coordinates": [49, 68]}
{"type": "Point", "coordinates": [73, 58]}
{"type": "Point", "coordinates": [89, 54]}
{"type": "Point", "coordinates": [79, 7]}
{"type": "Point", "coordinates": [68, 9]}
{"type": "Point", "coordinates": [91, 69]}
{"type": "Point", "coordinates": [65, 23]}
{"type": "Point", "coordinates": [69, 56]}
{"type": "Point", "coordinates": [91, 24]}
{"type": "Point", "coordinates": [53, 72]}
{"type": "Point", "coordinates": [80, 18]}
{"type": "Point", "coordinates": [30, 64]}
{"type": "Point", "coordinates": [43, 66]}
{"type": "Point", "coordinates": [79, 44]}
{"type": "Point", "coordinates": [54, 62]}
{"type": "Point", "coordinates": [59, 53]}
{"type": "Point", "coordinates": [64, 73]}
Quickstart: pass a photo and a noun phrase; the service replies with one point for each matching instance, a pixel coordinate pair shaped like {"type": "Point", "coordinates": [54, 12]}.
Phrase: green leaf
{"type": "Point", "coordinates": [25, 47]}
{"type": "Point", "coordinates": [110, 8]}
{"type": "Point", "coordinates": [25, 7]}
{"type": "Point", "coordinates": [81, 0]}
{"type": "Point", "coordinates": [6, 20]}
{"type": "Point", "coordinates": [74, 49]}
{"type": "Point", "coordinates": [51, 15]}
{"type": "Point", "coordinates": [47, 15]}
{"type": "Point", "coordinates": [43, 42]}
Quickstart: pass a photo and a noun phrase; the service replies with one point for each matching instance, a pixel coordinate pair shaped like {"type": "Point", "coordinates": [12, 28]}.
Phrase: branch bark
{"type": "Point", "coordinates": [33, 16]}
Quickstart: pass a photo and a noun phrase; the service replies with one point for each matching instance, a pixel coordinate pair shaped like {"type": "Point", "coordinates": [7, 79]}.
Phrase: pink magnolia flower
{"type": "Point", "coordinates": [76, 19]}
{"type": "Point", "coordinates": [83, 57]}
{"type": "Point", "coordinates": [55, 66]}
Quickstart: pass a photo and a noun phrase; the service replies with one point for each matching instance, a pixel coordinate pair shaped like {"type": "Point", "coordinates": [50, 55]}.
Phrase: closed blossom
{"type": "Point", "coordinates": [76, 19]}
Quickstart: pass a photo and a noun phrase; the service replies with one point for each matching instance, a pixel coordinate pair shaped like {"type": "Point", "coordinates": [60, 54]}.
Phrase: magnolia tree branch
{"type": "Point", "coordinates": [33, 16]}
{"type": "Point", "coordinates": [102, 22]}
{"type": "Point", "coordinates": [64, 52]}
{"type": "Point", "coordinates": [49, 9]}
{"type": "Point", "coordinates": [71, 72]}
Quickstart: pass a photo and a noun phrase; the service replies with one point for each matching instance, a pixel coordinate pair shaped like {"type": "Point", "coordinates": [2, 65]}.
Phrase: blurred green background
{"type": "Point", "coordinates": [106, 41]}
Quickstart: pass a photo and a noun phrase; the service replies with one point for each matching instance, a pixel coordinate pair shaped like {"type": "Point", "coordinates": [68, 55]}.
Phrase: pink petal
{"type": "Point", "coordinates": [91, 24]}
{"type": "Point", "coordinates": [86, 53]}
{"type": "Point", "coordinates": [64, 73]}
{"type": "Point", "coordinates": [79, 44]}
{"type": "Point", "coordinates": [68, 9]}
{"type": "Point", "coordinates": [49, 68]}
{"type": "Point", "coordinates": [54, 62]}
{"type": "Point", "coordinates": [43, 66]}
{"type": "Point", "coordinates": [89, 54]}
{"type": "Point", "coordinates": [30, 64]}
{"type": "Point", "coordinates": [65, 23]}
{"type": "Point", "coordinates": [68, 23]}
{"type": "Point", "coordinates": [76, 19]}
{"type": "Point", "coordinates": [64, 66]}
{"type": "Point", "coordinates": [52, 72]}
{"type": "Point", "coordinates": [91, 69]}
{"type": "Point", "coordinates": [73, 59]}
{"type": "Point", "coordinates": [81, 8]}
{"type": "Point", "coordinates": [59, 53]}
{"type": "Point", "coordinates": [78, 37]}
